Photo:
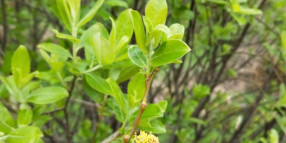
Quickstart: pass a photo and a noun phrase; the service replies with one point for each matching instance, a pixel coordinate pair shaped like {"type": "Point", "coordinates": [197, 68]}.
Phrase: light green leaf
{"type": "Point", "coordinates": [98, 83]}
{"type": "Point", "coordinates": [25, 117]}
{"type": "Point", "coordinates": [47, 95]}
{"type": "Point", "coordinates": [119, 3]}
{"type": "Point", "coordinates": [160, 32]}
{"type": "Point", "coordinates": [104, 52]}
{"type": "Point", "coordinates": [154, 126]}
{"type": "Point", "coordinates": [200, 91]}
{"type": "Point", "coordinates": [28, 134]}
{"type": "Point", "coordinates": [55, 49]}
{"type": "Point", "coordinates": [249, 11]}
{"type": "Point", "coordinates": [117, 94]}
{"type": "Point", "coordinates": [66, 36]}
{"type": "Point", "coordinates": [6, 120]}
{"type": "Point", "coordinates": [74, 9]}
{"type": "Point", "coordinates": [91, 13]}
{"type": "Point", "coordinates": [87, 41]}
{"type": "Point", "coordinates": [139, 30]}
{"type": "Point", "coordinates": [20, 65]}
{"type": "Point", "coordinates": [222, 2]}
{"type": "Point", "coordinates": [64, 13]}
{"type": "Point", "coordinates": [155, 110]}
{"type": "Point", "coordinates": [127, 73]}
{"type": "Point", "coordinates": [136, 89]}
{"type": "Point", "coordinates": [168, 52]}
{"type": "Point", "coordinates": [273, 136]}
{"type": "Point", "coordinates": [137, 57]}
{"type": "Point", "coordinates": [123, 28]}
{"type": "Point", "coordinates": [176, 31]}
{"type": "Point", "coordinates": [156, 11]}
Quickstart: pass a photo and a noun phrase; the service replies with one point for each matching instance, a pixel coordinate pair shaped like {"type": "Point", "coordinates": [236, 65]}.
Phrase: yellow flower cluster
{"type": "Point", "coordinates": [144, 137]}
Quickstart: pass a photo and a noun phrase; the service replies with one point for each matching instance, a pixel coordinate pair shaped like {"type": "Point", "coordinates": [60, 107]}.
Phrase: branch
{"type": "Point", "coordinates": [67, 128]}
{"type": "Point", "coordinates": [111, 137]}
{"type": "Point", "coordinates": [143, 106]}
{"type": "Point", "coordinates": [5, 27]}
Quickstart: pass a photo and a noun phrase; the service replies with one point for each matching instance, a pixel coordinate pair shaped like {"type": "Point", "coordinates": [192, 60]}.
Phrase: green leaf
{"type": "Point", "coordinates": [91, 13]}
{"type": "Point", "coordinates": [168, 52]}
{"type": "Point", "coordinates": [183, 13]}
{"type": "Point", "coordinates": [20, 65]}
{"type": "Point", "coordinates": [66, 36]}
{"type": "Point", "coordinates": [119, 3]}
{"type": "Point", "coordinates": [64, 13]}
{"type": "Point", "coordinates": [153, 126]}
{"type": "Point", "coordinates": [159, 33]}
{"type": "Point", "coordinates": [137, 57]}
{"type": "Point", "coordinates": [123, 27]}
{"type": "Point", "coordinates": [249, 11]}
{"type": "Point", "coordinates": [28, 134]}
{"type": "Point", "coordinates": [139, 30]}
{"type": "Point", "coordinates": [98, 83]}
{"type": "Point", "coordinates": [6, 120]}
{"type": "Point", "coordinates": [47, 95]}
{"type": "Point", "coordinates": [136, 89]}
{"type": "Point", "coordinates": [127, 73]}
{"type": "Point", "coordinates": [156, 11]}
{"type": "Point", "coordinates": [177, 31]}
{"type": "Point", "coordinates": [87, 41]}
{"type": "Point", "coordinates": [104, 52]}
{"type": "Point", "coordinates": [155, 110]}
{"type": "Point", "coordinates": [11, 86]}
{"type": "Point", "coordinates": [55, 49]}
{"type": "Point", "coordinates": [200, 91]}
{"type": "Point", "coordinates": [25, 117]}
{"type": "Point", "coordinates": [117, 94]}
{"type": "Point", "coordinates": [74, 9]}
{"type": "Point", "coordinates": [222, 2]}
{"type": "Point", "coordinates": [273, 136]}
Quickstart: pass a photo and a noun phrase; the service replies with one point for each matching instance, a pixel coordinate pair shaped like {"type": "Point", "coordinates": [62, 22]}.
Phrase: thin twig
{"type": "Point", "coordinates": [143, 106]}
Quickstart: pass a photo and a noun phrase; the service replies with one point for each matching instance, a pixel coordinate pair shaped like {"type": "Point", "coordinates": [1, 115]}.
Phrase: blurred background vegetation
{"type": "Point", "coordinates": [230, 88]}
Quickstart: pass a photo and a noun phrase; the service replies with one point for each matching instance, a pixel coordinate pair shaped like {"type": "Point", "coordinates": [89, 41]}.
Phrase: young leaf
{"type": "Point", "coordinates": [250, 11]}
{"type": "Point", "coordinates": [64, 13]}
{"type": "Point", "coordinates": [177, 31]}
{"type": "Point", "coordinates": [168, 52]}
{"type": "Point", "coordinates": [66, 36]}
{"type": "Point", "coordinates": [139, 30]}
{"type": "Point", "coordinates": [25, 117]}
{"type": "Point", "coordinates": [122, 27]}
{"type": "Point", "coordinates": [117, 94]}
{"type": "Point", "coordinates": [119, 3]}
{"type": "Point", "coordinates": [47, 95]}
{"type": "Point", "coordinates": [156, 11]}
{"type": "Point", "coordinates": [55, 49]}
{"type": "Point", "coordinates": [155, 110]}
{"type": "Point", "coordinates": [74, 9]}
{"type": "Point", "coordinates": [137, 57]}
{"type": "Point", "coordinates": [136, 89]}
{"type": "Point", "coordinates": [28, 134]}
{"type": "Point", "coordinates": [20, 65]}
{"type": "Point", "coordinates": [87, 41]}
{"type": "Point", "coordinates": [91, 13]}
{"type": "Point", "coordinates": [6, 120]}
{"type": "Point", "coordinates": [98, 83]}
{"type": "Point", "coordinates": [154, 126]}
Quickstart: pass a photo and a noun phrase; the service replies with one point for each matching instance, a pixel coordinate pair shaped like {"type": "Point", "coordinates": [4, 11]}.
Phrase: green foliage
{"type": "Point", "coordinates": [94, 70]}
